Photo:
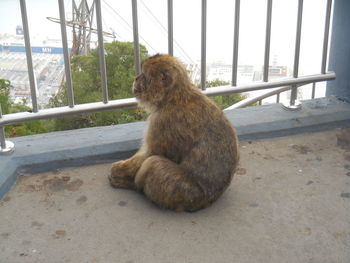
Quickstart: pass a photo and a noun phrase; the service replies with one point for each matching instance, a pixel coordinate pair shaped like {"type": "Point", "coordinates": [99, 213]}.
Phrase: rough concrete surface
{"type": "Point", "coordinates": [288, 202]}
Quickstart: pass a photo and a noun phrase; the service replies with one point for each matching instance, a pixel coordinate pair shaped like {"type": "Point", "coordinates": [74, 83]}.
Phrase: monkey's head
{"type": "Point", "coordinates": [162, 77]}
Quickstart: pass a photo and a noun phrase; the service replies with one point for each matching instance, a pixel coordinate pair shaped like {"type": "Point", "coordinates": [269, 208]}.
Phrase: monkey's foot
{"type": "Point", "coordinates": [120, 176]}
{"type": "Point", "coordinates": [125, 182]}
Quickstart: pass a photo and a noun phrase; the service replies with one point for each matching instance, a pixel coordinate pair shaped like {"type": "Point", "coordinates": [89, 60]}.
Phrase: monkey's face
{"type": "Point", "coordinates": [139, 85]}
{"type": "Point", "coordinates": [160, 77]}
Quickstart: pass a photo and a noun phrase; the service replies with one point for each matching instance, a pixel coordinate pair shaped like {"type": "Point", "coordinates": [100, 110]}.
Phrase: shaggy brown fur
{"type": "Point", "coordinates": [190, 151]}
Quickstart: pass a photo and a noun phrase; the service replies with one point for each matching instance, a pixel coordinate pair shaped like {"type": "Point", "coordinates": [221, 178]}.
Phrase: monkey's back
{"type": "Point", "coordinates": [195, 134]}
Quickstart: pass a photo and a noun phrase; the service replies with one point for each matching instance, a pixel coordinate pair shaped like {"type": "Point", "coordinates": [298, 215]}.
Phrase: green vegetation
{"type": "Point", "coordinates": [226, 100]}
{"type": "Point", "coordinates": [27, 128]}
{"type": "Point", "coordinates": [87, 83]}
{"type": "Point", "coordinates": [87, 88]}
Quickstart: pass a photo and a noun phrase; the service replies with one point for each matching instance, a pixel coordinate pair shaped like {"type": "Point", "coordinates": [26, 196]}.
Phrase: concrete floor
{"type": "Point", "coordinates": [289, 202]}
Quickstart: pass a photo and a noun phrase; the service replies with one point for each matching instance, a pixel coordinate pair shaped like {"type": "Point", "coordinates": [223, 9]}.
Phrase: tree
{"type": "Point", "coordinates": [4, 95]}
{"type": "Point", "coordinates": [27, 128]}
{"type": "Point", "coordinates": [87, 88]}
{"type": "Point", "coordinates": [226, 100]}
{"type": "Point", "coordinates": [87, 82]}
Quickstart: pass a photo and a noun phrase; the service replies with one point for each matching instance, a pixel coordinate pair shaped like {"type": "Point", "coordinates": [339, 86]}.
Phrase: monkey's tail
{"type": "Point", "coordinates": [169, 186]}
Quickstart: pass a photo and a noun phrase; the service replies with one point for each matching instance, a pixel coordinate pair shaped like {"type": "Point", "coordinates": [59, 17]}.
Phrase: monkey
{"type": "Point", "coordinates": [189, 152]}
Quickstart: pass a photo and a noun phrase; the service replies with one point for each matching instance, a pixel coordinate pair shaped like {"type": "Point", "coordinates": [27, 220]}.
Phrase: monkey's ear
{"type": "Point", "coordinates": [166, 79]}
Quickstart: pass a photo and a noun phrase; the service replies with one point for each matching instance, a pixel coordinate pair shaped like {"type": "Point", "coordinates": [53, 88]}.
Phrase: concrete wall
{"type": "Point", "coordinates": [339, 56]}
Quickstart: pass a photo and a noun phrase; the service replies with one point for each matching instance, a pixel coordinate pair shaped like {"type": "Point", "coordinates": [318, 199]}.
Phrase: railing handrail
{"type": "Point", "coordinates": [251, 100]}
{"type": "Point", "coordinates": [132, 102]}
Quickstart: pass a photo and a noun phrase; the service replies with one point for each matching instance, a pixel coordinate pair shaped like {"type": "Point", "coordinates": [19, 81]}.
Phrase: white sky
{"type": "Point", "coordinates": [187, 27]}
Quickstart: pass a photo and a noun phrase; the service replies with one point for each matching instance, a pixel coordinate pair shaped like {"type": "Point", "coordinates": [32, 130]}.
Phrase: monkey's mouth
{"type": "Point", "coordinates": [137, 89]}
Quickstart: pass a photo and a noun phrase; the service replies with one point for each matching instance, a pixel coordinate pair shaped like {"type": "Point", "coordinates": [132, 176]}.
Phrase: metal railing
{"type": "Point", "coordinates": [73, 109]}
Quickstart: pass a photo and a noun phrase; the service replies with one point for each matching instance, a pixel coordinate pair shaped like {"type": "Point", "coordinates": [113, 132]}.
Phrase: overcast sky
{"type": "Point", "coordinates": [187, 27]}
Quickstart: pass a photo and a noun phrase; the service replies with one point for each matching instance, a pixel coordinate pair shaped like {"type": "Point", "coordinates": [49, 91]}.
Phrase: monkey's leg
{"type": "Point", "coordinates": [169, 186]}
{"type": "Point", "coordinates": [123, 172]}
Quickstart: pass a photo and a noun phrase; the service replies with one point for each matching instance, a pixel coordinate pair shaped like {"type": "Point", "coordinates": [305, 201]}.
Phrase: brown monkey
{"type": "Point", "coordinates": [190, 150]}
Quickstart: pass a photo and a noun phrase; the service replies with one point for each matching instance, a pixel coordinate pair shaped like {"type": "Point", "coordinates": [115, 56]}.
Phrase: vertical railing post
{"type": "Point", "coordinates": [6, 147]}
{"type": "Point", "coordinates": [313, 90]}
{"type": "Point", "coordinates": [32, 80]}
{"type": "Point", "coordinates": [235, 44]}
{"type": "Point", "coordinates": [67, 67]}
{"type": "Point", "coordinates": [326, 36]}
{"type": "Point", "coordinates": [101, 52]}
{"type": "Point", "coordinates": [293, 95]}
{"type": "Point", "coordinates": [2, 133]}
{"type": "Point", "coordinates": [2, 138]}
{"type": "Point", "coordinates": [170, 28]}
{"type": "Point", "coordinates": [204, 45]}
{"type": "Point", "coordinates": [136, 37]}
{"type": "Point", "coordinates": [267, 41]}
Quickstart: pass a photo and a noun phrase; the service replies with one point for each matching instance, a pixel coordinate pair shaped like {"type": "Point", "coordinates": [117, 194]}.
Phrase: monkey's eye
{"type": "Point", "coordinates": [140, 76]}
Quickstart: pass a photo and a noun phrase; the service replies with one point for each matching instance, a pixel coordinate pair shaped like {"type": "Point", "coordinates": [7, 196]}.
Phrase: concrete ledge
{"type": "Point", "coordinates": [273, 120]}
{"type": "Point", "coordinates": [43, 152]}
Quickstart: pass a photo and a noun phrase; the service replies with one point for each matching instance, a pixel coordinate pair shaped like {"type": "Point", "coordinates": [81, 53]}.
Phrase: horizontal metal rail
{"type": "Point", "coordinates": [66, 111]}
{"type": "Point", "coordinates": [227, 90]}
{"type": "Point", "coordinates": [255, 99]}
{"type": "Point", "coordinates": [132, 102]}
